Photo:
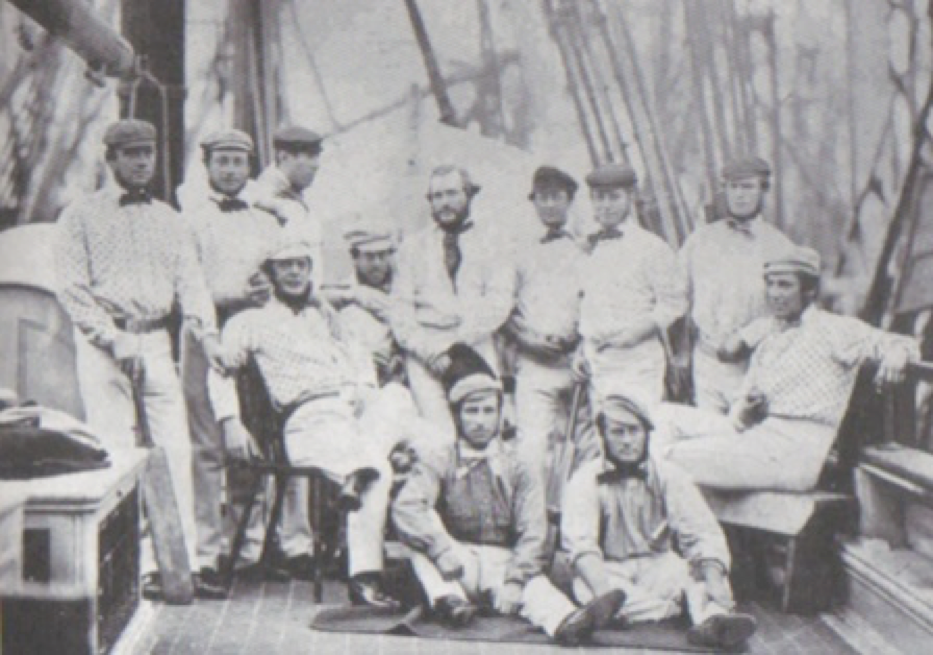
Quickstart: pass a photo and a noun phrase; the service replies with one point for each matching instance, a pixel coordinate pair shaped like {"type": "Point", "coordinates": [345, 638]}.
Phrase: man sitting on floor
{"type": "Point", "coordinates": [473, 513]}
{"type": "Point", "coordinates": [319, 382]}
{"type": "Point", "coordinates": [804, 365]}
{"type": "Point", "coordinates": [620, 521]}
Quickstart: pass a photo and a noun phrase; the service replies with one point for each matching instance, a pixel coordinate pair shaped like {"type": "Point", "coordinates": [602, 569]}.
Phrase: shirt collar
{"type": "Point", "coordinates": [608, 469]}
{"type": "Point", "coordinates": [466, 451]}
{"type": "Point", "coordinates": [750, 226]}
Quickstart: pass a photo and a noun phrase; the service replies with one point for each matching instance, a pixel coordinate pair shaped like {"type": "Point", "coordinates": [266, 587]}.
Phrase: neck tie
{"type": "Point", "coordinates": [452, 254]}
{"type": "Point", "coordinates": [555, 233]}
{"type": "Point", "coordinates": [228, 204]}
{"type": "Point", "coordinates": [624, 472]}
{"type": "Point", "coordinates": [742, 227]}
{"type": "Point", "coordinates": [135, 197]}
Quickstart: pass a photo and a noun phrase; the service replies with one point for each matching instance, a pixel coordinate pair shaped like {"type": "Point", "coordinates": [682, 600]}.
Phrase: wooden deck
{"type": "Point", "coordinates": [266, 618]}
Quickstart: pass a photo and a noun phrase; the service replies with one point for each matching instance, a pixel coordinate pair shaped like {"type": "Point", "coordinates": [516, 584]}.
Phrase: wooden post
{"type": "Point", "coordinates": [436, 80]}
{"type": "Point", "coordinates": [156, 30]}
{"type": "Point", "coordinates": [776, 135]}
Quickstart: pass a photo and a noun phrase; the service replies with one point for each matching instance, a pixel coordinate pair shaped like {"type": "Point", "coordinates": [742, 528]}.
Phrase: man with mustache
{"type": "Point", "coordinates": [451, 288]}
{"type": "Point", "coordinates": [124, 258]}
{"type": "Point", "coordinates": [721, 264]}
{"type": "Point", "coordinates": [321, 383]}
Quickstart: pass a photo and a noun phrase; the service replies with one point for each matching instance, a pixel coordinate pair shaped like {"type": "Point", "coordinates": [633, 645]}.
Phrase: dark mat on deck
{"type": "Point", "coordinates": [668, 635]}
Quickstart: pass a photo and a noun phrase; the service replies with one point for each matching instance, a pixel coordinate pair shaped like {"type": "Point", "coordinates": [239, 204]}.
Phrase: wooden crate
{"type": "Point", "coordinates": [78, 581]}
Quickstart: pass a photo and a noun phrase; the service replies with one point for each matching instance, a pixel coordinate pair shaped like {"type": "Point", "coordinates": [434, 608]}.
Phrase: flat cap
{"type": "Point", "coordinates": [743, 167]}
{"type": "Point", "coordinates": [128, 131]}
{"type": "Point", "coordinates": [621, 405]}
{"type": "Point", "coordinates": [796, 260]}
{"type": "Point", "coordinates": [294, 135]}
{"type": "Point", "coordinates": [612, 176]}
{"type": "Point", "coordinates": [369, 236]}
{"type": "Point", "coordinates": [290, 246]}
{"type": "Point", "coordinates": [548, 177]}
{"type": "Point", "coordinates": [228, 140]}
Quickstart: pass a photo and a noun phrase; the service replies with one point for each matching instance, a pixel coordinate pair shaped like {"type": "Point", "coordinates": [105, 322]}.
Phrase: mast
{"type": "Point", "coordinates": [436, 80]}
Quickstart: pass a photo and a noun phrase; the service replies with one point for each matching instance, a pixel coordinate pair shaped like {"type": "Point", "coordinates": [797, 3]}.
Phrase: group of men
{"type": "Point", "coordinates": [440, 334]}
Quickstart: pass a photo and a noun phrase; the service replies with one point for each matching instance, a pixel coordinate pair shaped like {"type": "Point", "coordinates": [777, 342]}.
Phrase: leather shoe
{"type": "Point", "coordinates": [150, 586]}
{"type": "Point", "coordinates": [366, 589]}
{"type": "Point", "coordinates": [455, 611]}
{"type": "Point", "coordinates": [209, 585]}
{"type": "Point", "coordinates": [348, 500]}
{"type": "Point", "coordinates": [580, 624]}
{"type": "Point", "coordinates": [723, 631]}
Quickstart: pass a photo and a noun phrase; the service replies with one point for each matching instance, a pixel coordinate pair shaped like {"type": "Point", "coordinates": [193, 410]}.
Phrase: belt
{"type": "Point", "coordinates": [142, 325]}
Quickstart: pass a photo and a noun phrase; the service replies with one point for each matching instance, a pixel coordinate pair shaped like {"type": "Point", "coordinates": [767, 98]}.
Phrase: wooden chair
{"type": "Point", "coordinates": [266, 425]}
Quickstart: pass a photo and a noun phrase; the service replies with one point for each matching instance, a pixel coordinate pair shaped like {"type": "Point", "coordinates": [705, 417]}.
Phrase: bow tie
{"type": "Point", "coordinates": [228, 204]}
{"type": "Point", "coordinates": [741, 227]}
{"type": "Point", "coordinates": [553, 234]}
{"type": "Point", "coordinates": [136, 197]}
{"type": "Point", "coordinates": [604, 235]}
{"type": "Point", "coordinates": [637, 471]}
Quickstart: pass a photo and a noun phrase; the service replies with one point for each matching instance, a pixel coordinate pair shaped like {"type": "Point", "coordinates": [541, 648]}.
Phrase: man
{"type": "Point", "coordinates": [542, 329]}
{"type": "Point", "coordinates": [795, 394]}
{"type": "Point", "coordinates": [473, 514]}
{"type": "Point", "coordinates": [124, 258]}
{"type": "Point", "coordinates": [621, 520]}
{"type": "Point", "coordinates": [231, 238]}
{"type": "Point", "coordinates": [282, 185]}
{"type": "Point", "coordinates": [722, 262]}
{"type": "Point", "coordinates": [632, 293]}
{"type": "Point", "coordinates": [365, 303]}
{"type": "Point", "coordinates": [451, 288]}
{"type": "Point", "coordinates": [319, 382]}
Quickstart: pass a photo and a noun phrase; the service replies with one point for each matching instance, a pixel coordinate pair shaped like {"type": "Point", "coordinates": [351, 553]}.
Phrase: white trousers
{"type": "Point", "coordinates": [656, 588]}
{"type": "Point", "coordinates": [207, 464]}
{"type": "Point", "coordinates": [543, 394]}
{"type": "Point", "coordinates": [616, 370]}
{"type": "Point", "coordinates": [108, 406]}
{"type": "Point", "coordinates": [484, 569]}
{"type": "Point", "coordinates": [777, 454]}
{"type": "Point", "coordinates": [326, 434]}
{"type": "Point", "coordinates": [715, 383]}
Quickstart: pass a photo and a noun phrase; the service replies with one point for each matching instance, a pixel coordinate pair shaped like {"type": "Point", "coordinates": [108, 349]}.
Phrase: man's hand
{"type": "Point", "coordinates": [126, 350]}
{"type": "Point", "coordinates": [258, 289]}
{"type": "Point", "coordinates": [579, 366]}
{"type": "Point", "coordinates": [450, 566]}
{"type": "Point", "coordinates": [717, 584]}
{"type": "Point", "coordinates": [733, 349]}
{"type": "Point", "coordinates": [892, 369]}
{"type": "Point", "coordinates": [238, 442]}
{"type": "Point", "coordinates": [508, 598]}
{"type": "Point", "coordinates": [439, 364]}
{"type": "Point", "coordinates": [214, 353]}
{"type": "Point", "coordinates": [752, 410]}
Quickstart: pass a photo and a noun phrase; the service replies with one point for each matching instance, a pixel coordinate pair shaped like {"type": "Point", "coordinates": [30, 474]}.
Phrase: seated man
{"type": "Point", "coordinates": [795, 394]}
{"type": "Point", "coordinates": [621, 520]}
{"type": "Point", "coordinates": [317, 380]}
{"type": "Point", "coordinates": [473, 513]}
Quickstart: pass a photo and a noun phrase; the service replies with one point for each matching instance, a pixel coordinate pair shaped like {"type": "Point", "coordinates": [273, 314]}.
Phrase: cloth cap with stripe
{"type": "Point", "coordinates": [369, 236]}
{"type": "Point", "coordinates": [548, 178]}
{"type": "Point", "coordinates": [290, 247]}
{"type": "Point", "coordinates": [468, 374]}
{"type": "Point", "coordinates": [796, 260]}
{"type": "Point", "coordinates": [622, 404]}
{"type": "Point", "coordinates": [612, 176]}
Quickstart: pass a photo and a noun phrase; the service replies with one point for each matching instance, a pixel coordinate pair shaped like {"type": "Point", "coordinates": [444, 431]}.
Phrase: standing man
{"type": "Point", "coordinates": [543, 326]}
{"type": "Point", "coordinates": [722, 264]}
{"type": "Point", "coordinates": [451, 288]}
{"type": "Point", "coordinates": [124, 258]}
{"type": "Point", "coordinates": [632, 292]}
{"type": "Point", "coordinates": [792, 400]}
{"type": "Point", "coordinates": [365, 303]}
{"type": "Point", "coordinates": [320, 382]}
{"type": "Point", "coordinates": [622, 518]}
{"type": "Point", "coordinates": [232, 238]}
{"type": "Point", "coordinates": [282, 185]}
{"type": "Point", "coordinates": [473, 514]}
